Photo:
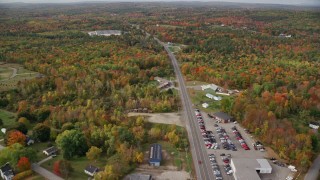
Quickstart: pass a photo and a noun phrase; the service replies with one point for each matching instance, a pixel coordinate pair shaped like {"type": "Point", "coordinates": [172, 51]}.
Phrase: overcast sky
{"type": "Point", "coordinates": [293, 2]}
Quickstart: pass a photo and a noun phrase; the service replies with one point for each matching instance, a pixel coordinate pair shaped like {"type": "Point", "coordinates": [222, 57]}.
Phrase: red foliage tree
{"type": "Point", "coordinates": [24, 164]}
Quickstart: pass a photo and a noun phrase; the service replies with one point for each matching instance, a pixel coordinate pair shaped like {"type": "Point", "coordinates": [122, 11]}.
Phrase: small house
{"type": "Point", "coordinates": [205, 105]}
{"type": "Point", "coordinates": [91, 170]}
{"type": "Point", "coordinates": [314, 125]}
{"type": "Point", "coordinates": [50, 151]}
{"type": "Point", "coordinates": [223, 117]}
{"type": "Point", "coordinates": [155, 155]}
{"type": "Point", "coordinates": [6, 172]}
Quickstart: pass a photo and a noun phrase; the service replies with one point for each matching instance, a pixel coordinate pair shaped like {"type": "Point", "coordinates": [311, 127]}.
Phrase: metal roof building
{"type": "Point", "coordinates": [155, 155]}
{"type": "Point", "coordinates": [249, 169]}
{"type": "Point", "coordinates": [223, 116]}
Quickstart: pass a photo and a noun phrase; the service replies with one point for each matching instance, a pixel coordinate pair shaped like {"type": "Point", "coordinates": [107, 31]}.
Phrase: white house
{"type": "Point", "coordinates": [91, 170]}
{"type": "Point", "coordinates": [205, 105]}
{"type": "Point", "coordinates": [50, 151]}
{"type": "Point", "coordinates": [6, 172]}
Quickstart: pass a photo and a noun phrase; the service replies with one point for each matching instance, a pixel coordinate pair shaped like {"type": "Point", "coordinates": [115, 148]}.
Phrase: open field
{"type": "Point", "coordinates": [8, 118]}
{"type": "Point", "coordinates": [11, 74]}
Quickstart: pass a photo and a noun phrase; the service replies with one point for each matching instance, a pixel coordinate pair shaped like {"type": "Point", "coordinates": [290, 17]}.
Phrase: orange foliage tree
{"type": "Point", "coordinates": [16, 137]}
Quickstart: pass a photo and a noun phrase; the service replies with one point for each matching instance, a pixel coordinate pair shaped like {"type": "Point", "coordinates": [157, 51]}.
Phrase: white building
{"type": "Point", "coordinates": [210, 86]}
{"type": "Point", "coordinates": [249, 169]}
{"type": "Point", "coordinates": [210, 96]}
{"type": "Point", "coordinates": [314, 126]}
{"type": "Point", "coordinates": [205, 105]}
{"type": "Point", "coordinates": [105, 33]}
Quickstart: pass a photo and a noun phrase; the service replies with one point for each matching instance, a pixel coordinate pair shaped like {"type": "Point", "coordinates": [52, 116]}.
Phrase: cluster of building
{"type": "Point", "coordinates": [163, 83]}
{"type": "Point", "coordinates": [105, 33]}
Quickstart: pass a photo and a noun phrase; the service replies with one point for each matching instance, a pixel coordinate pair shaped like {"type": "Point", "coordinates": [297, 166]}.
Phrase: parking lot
{"type": "Point", "coordinates": [223, 144]}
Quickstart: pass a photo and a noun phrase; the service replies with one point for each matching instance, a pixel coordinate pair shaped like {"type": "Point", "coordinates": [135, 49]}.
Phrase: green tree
{"type": "Point", "coordinates": [13, 153]}
{"type": "Point", "coordinates": [72, 143]}
{"type": "Point", "coordinates": [41, 132]}
{"type": "Point", "coordinates": [93, 153]}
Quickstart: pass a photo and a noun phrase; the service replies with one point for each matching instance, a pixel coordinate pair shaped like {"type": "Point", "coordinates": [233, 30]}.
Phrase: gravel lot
{"type": "Point", "coordinates": [164, 118]}
{"type": "Point", "coordinates": [277, 172]}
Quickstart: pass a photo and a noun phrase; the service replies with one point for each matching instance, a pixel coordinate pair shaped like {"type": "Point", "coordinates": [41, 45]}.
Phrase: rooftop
{"type": "Point", "coordinates": [222, 115]}
{"type": "Point", "coordinates": [138, 177]}
{"type": "Point", "coordinates": [155, 152]}
{"type": "Point", "coordinates": [245, 168]}
{"type": "Point", "coordinates": [51, 149]}
{"type": "Point", "coordinates": [91, 169]}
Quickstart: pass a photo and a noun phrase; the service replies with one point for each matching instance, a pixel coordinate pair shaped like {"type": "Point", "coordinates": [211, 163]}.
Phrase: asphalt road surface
{"type": "Point", "coordinates": [45, 173]}
{"type": "Point", "coordinates": [199, 154]}
{"type": "Point", "coordinates": [313, 171]}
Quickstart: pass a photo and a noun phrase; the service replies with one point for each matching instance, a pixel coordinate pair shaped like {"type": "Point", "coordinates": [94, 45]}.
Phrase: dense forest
{"type": "Point", "coordinates": [271, 55]}
{"type": "Point", "coordinates": [90, 82]}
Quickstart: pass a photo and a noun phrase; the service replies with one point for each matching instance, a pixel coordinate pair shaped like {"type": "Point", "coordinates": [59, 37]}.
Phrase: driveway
{"type": "Point", "coordinates": [45, 173]}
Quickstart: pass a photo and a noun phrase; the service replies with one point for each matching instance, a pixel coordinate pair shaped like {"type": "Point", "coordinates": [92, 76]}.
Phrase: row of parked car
{"type": "Point", "coordinates": [208, 137]}
{"type": "Point", "coordinates": [240, 139]}
{"type": "Point", "coordinates": [215, 167]}
{"type": "Point", "coordinates": [226, 161]}
{"type": "Point", "coordinates": [226, 142]}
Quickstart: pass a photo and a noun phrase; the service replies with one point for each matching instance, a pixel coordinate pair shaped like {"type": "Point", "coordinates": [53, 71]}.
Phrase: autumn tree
{"type": "Point", "coordinates": [23, 164]}
{"type": "Point", "coordinates": [62, 168]}
{"type": "Point", "coordinates": [16, 137]}
{"type": "Point", "coordinates": [93, 153]}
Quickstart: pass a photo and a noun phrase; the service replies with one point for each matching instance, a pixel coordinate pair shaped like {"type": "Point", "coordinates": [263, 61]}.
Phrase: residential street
{"type": "Point", "coordinates": [45, 173]}
{"type": "Point", "coordinates": [313, 171]}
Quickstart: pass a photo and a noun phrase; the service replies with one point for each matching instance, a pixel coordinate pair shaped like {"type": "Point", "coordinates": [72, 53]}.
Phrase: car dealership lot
{"type": "Point", "coordinates": [229, 136]}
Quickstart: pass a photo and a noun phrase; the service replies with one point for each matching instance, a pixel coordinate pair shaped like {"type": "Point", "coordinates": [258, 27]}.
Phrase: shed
{"type": "Point", "coordinates": [205, 105]}
{"type": "Point", "coordinates": [155, 155]}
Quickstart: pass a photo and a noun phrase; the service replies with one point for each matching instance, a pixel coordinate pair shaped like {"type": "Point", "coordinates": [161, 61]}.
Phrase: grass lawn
{"type": "Point", "coordinates": [198, 97]}
{"type": "Point", "coordinates": [195, 83]}
{"type": "Point", "coordinates": [180, 159]}
{"type": "Point", "coordinates": [39, 147]}
{"type": "Point", "coordinates": [8, 118]}
{"type": "Point", "coordinates": [6, 71]}
{"type": "Point", "coordinates": [78, 164]}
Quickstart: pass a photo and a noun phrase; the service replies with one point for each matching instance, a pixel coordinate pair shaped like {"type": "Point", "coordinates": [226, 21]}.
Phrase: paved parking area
{"type": "Point", "coordinates": [278, 172]}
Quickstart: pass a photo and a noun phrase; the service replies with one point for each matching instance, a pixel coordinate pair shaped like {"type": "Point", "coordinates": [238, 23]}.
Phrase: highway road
{"type": "Point", "coordinates": [313, 171]}
{"type": "Point", "coordinates": [199, 154]}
